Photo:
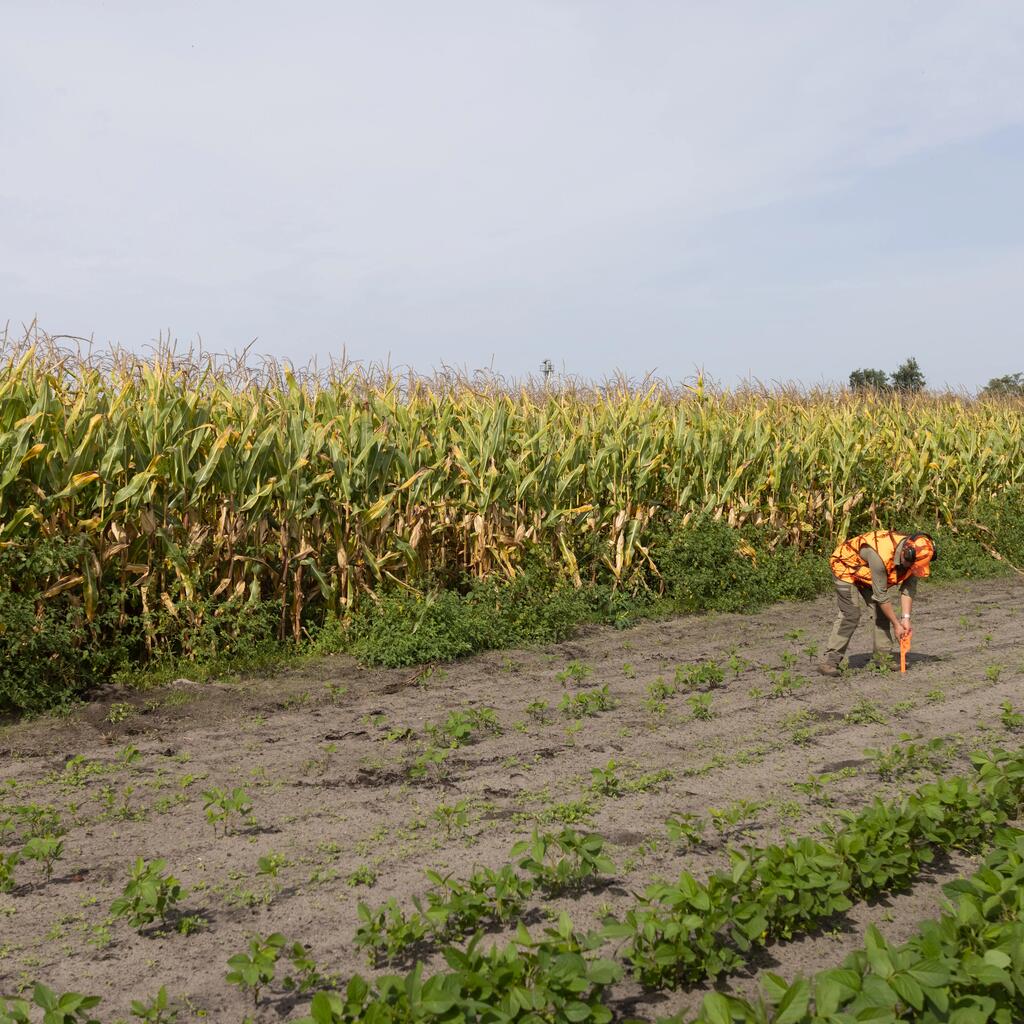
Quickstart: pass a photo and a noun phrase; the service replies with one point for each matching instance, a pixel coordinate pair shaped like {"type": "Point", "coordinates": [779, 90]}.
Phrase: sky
{"type": "Point", "coordinates": [783, 191]}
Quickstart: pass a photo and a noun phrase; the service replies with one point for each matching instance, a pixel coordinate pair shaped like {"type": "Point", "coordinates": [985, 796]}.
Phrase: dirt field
{"type": "Point", "coordinates": [324, 753]}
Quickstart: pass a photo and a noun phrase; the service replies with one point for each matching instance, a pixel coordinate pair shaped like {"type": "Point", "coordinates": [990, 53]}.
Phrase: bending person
{"type": "Point", "coordinates": [870, 571]}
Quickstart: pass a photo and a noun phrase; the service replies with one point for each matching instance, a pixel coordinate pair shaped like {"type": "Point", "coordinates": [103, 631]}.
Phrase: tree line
{"type": "Point", "coordinates": [909, 378]}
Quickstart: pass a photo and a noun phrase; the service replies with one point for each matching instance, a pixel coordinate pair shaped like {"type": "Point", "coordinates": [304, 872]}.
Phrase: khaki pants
{"type": "Point", "coordinates": [852, 600]}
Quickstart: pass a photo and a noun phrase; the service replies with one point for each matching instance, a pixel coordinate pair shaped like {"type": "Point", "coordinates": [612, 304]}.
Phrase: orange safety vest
{"type": "Point", "coordinates": [848, 566]}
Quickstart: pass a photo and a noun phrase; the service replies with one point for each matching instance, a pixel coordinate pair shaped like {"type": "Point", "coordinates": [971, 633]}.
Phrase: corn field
{"type": "Point", "coordinates": [192, 478]}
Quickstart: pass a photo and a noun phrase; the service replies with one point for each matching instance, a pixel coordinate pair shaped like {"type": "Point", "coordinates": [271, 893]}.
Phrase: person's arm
{"type": "Point", "coordinates": [907, 593]}
{"type": "Point", "coordinates": [880, 589]}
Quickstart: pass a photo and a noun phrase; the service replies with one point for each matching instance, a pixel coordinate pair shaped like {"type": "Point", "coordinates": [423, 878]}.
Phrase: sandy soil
{"type": "Point", "coordinates": [324, 751]}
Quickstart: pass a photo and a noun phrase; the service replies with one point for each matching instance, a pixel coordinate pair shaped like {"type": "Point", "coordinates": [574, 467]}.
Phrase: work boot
{"type": "Point", "coordinates": [827, 667]}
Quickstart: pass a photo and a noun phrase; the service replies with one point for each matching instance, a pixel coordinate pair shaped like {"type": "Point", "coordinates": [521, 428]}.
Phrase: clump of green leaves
{"type": "Point", "coordinates": [660, 690]}
{"type": "Point", "coordinates": [455, 731]}
{"type": "Point", "coordinates": [575, 672]}
{"type": "Point", "coordinates": [452, 817]}
{"type": "Point", "coordinates": [547, 979]}
{"type": "Point", "coordinates": [220, 806]}
{"type": "Point", "coordinates": [701, 674]}
{"type": "Point", "coordinates": [735, 816]}
{"type": "Point", "coordinates": [564, 861]}
{"type": "Point", "coordinates": [32, 820]}
{"type": "Point", "coordinates": [648, 780]}
{"type": "Point", "coordinates": [700, 706]}
{"type": "Point", "coordinates": [865, 712]}
{"type": "Point", "coordinates": [606, 780]}
{"type": "Point", "coordinates": [45, 850]}
{"type": "Point", "coordinates": [815, 789]}
{"type": "Point", "coordinates": [459, 727]}
{"type": "Point", "coordinates": [190, 924]}
{"type": "Point", "coordinates": [120, 711]}
{"type": "Point", "coordinates": [785, 683]}
{"type": "Point", "coordinates": [66, 1008]}
{"type": "Point", "coordinates": [538, 711]}
{"type": "Point", "coordinates": [157, 1010]}
{"type": "Point", "coordinates": [128, 756]}
{"type": "Point", "coordinates": [8, 862]}
{"type": "Point", "coordinates": [431, 764]}
{"type": "Point", "coordinates": [270, 864]}
{"type": "Point", "coordinates": [78, 770]}
{"type": "Point", "coordinates": [737, 664]}
{"type": "Point", "coordinates": [1012, 720]}
{"type": "Point", "coordinates": [908, 757]}
{"type": "Point", "coordinates": [385, 933]}
{"type": "Point", "coordinates": [149, 894]}
{"type": "Point", "coordinates": [362, 875]}
{"type": "Point", "coordinates": [587, 703]}
{"type": "Point", "coordinates": [685, 829]}
{"type": "Point", "coordinates": [256, 969]}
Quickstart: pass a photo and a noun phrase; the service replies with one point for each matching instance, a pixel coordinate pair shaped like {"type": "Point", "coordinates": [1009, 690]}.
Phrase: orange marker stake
{"type": "Point", "coordinates": [904, 648]}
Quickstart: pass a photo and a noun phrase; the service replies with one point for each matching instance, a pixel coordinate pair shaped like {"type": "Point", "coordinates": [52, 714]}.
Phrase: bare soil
{"type": "Point", "coordinates": [324, 752]}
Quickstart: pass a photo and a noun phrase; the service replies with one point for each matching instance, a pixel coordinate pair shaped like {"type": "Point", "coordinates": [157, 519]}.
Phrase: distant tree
{"type": "Point", "coordinates": [869, 380]}
{"type": "Point", "coordinates": [908, 378]}
{"type": "Point", "coordinates": [1009, 386]}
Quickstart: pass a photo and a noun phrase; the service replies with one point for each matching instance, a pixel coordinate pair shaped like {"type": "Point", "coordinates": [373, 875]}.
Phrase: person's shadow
{"type": "Point", "coordinates": [861, 661]}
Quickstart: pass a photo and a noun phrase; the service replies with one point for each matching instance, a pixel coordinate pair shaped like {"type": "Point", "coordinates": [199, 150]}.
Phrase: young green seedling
{"type": "Point", "coordinates": [362, 875]}
{"type": "Point", "coordinates": [538, 711]}
{"type": "Point", "coordinates": [219, 807]}
{"type": "Point", "coordinates": [606, 780]}
{"type": "Point", "coordinates": [1012, 720]}
{"type": "Point", "coordinates": [255, 970]}
{"type": "Point", "coordinates": [46, 851]}
{"type": "Point", "coordinates": [575, 672]}
{"type": "Point", "coordinates": [587, 703]}
{"type": "Point", "coordinates": [8, 862]}
{"type": "Point", "coordinates": [865, 712]}
{"type": "Point", "coordinates": [452, 817]}
{"type": "Point", "coordinates": [156, 1010]}
{"type": "Point", "coordinates": [149, 894]}
{"type": "Point", "coordinates": [687, 829]}
{"type": "Point", "coordinates": [271, 864]}
{"type": "Point", "coordinates": [700, 706]}
{"type": "Point", "coordinates": [66, 1008]}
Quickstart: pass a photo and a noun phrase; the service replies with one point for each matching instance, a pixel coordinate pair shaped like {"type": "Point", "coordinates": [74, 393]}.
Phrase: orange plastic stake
{"type": "Point", "coordinates": [904, 649]}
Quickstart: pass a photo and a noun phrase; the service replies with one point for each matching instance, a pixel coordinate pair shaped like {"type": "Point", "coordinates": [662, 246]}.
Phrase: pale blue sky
{"type": "Point", "coordinates": [786, 190]}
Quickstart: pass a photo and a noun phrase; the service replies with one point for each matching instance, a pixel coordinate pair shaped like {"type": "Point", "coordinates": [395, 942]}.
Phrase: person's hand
{"type": "Point", "coordinates": [901, 629]}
